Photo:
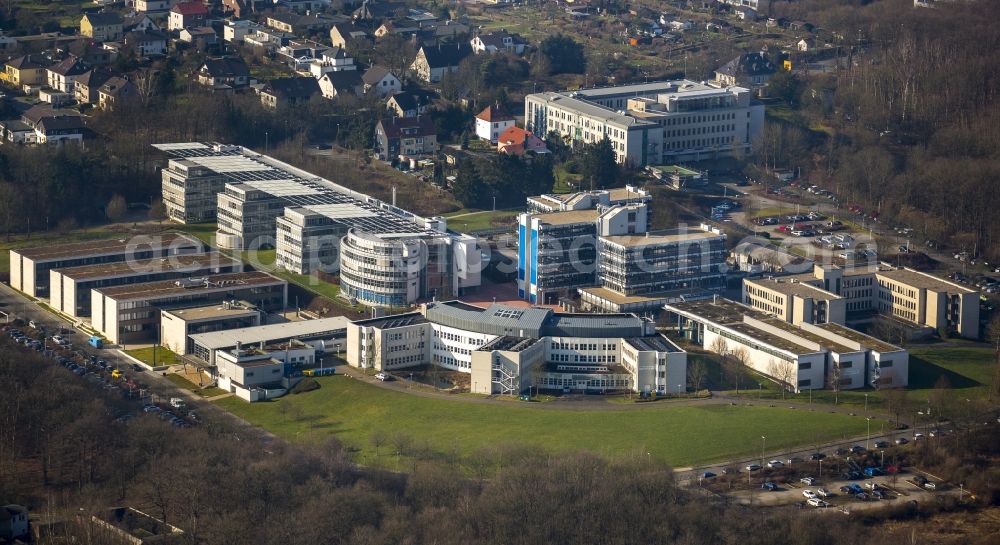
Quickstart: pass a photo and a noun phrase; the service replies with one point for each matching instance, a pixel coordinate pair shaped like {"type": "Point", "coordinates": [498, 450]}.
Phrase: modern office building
{"type": "Point", "coordinates": [131, 313]}
{"type": "Point", "coordinates": [189, 191]}
{"type": "Point", "coordinates": [585, 200]}
{"type": "Point", "coordinates": [793, 301]}
{"type": "Point", "coordinates": [177, 325]}
{"type": "Point", "coordinates": [916, 298]}
{"type": "Point", "coordinates": [507, 350]}
{"type": "Point", "coordinates": [799, 357]}
{"type": "Point", "coordinates": [651, 123]}
{"type": "Point", "coordinates": [70, 287]}
{"type": "Point", "coordinates": [323, 334]}
{"type": "Point", "coordinates": [557, 251]}
{"type": "Point", "coordinates": [395, 270]}
{"type": "Point", "coordinates": [29, 267]}
{"type": "Point", "coordinates": [267, 203]}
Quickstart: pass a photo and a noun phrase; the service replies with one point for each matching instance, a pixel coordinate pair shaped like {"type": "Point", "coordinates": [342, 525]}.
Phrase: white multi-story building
{"type": "Point", "coordinates": [507, 350]}
{"type": "Point", "coordinates": [798, 357]}
{"type": "Point", "coordinates": [266, 203]}
{"type": "Point", "coordinates": [651, 123]}
{"type": "Point", "coordinates": [924, 301]}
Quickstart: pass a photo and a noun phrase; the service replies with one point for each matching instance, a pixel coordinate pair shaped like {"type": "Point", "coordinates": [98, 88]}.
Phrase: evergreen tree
{"type": "Point", "coordinates": [598, 164]}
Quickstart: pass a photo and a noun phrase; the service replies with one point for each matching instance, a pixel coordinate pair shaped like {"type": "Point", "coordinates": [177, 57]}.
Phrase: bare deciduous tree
{"type": "Point", "coordinates": [116, 208]}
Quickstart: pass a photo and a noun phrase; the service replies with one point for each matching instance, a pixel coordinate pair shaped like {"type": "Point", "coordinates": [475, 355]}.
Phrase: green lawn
{"type": "Point", "coordinates": [183, 383]}
{"type": "Point", "coordinates": [164, 356]}
{"type": "Point", "coordinates": [353, 411]}
{"type": "Point", "coordinates": [488, 219]}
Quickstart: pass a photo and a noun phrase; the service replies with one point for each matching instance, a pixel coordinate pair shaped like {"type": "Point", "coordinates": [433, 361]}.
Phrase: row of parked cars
{"type": "Point", "coordinates": [983, 282]}
{"type": "Point", "coordinates": [108, 376]}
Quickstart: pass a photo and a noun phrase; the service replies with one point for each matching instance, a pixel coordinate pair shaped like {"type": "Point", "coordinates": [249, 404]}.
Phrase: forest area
{"type": "Point", "coordinates": [61, 452]}
{"type": "Point", "coordinates": [910, 126]}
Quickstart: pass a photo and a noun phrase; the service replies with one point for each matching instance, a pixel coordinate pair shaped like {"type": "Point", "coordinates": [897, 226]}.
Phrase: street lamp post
{"type": "Point", "coordinates": [679, 389]}
{"type": "Point", "coordinates": [866, 403]}
{"type": "Point", "coordinates": [868, 437]}
{"type": "Point", "coordinates": [763, 441]}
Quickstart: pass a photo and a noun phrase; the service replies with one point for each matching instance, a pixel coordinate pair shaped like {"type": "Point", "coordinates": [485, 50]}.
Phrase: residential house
{"type": "Point", "coordinates": [491, 122]}
{"type": "Point", "coordinates": [13, 523]}
{"type": "Point", "coordinates": [48, 126]}
{"type": "Point", "coordinates": [802, 45]}
{"type": "Point", "coordinates": [381, 81]}
{"type": "Point", "coordinates": [116, 92]}
{"type": "Point", "coordinates": [405, 137]}
{"type": "Point", "coordinates": [103, 27]}
{"type": "Point", "coordinates": [225, 74]}
{"type": "Point", "coordinates": [435, 32]}
{"type": "Point", "coordinates": [153, 6]}
{"type": "Point", "coordinates": [268, 38]}
{"type": "Point", "coordinates": [405, 29]}
{"type": "Point", "coordinates": [433, 62]}
{"type": "Point", "coordinates": [62, 74]}
{"type": "Point", "coordinates": [334, 84]}
{"type": "Point", "coordinates": [86, 86]}
{"type": "Point", "coordinates": [283, 92]}
{"type": "Point", "coordinates": [298, 54]}
{"type": "Point", "coordinates": [235, 31]}
{"type": "Point", "coordinates": [379, 11]}
{"type": "Point", "coordinates": [517, 141]}
{"type": "Point", "coordinates": [294, 23]}
{"type": "Point", "coordinates": [199, 35]}
{"type": "Point", "coordinates": [342, 33]}
{"type": "Point", "coordinates": [498, 42]}
{"type": "Point", "coordinates": [139, 22]}
{"type": "Point", "coordinates": [100, 54]}
{"type": "Point", "coordinates": [243, 8]}
{"type": "Point", "coordinates": [334, 59]}
{"type": "Point", "coordinates": [7, 42]}
{"type": "Point", "coordinates": [187, 14]}
{"type": "Point", "coordinates": [410, 103]}
{"type": "Point", "coordinates": [147, 43]}
{"type": "Point", "coordinates": [751, 70]}
{"type": "Point", "coordinates": [25, 70]}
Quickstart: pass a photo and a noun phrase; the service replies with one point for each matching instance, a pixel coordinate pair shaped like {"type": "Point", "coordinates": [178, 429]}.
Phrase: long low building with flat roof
{"type": "Point", "coordinates": [323, 334]}
{"type": "Point", "coordinates": [70, 287]}
{"type": "Point", "coordinates": [29, 267]}
{"type": "Point", "coordinates": [178, 325]}
{"type": "Point", "coordinates": [131, 313]}
{"type": "Point", "coordinates": [799, 356]}
{"type": "Point", "coordinates": [507, 350]}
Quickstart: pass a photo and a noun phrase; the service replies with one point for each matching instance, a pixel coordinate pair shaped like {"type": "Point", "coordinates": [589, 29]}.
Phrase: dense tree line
{"type": "Point", "coordinates": [913, 116]}
{"type": "Point", "coordinates": [508, 178]}
{"type": "Point", "coordinates": [61, 451]}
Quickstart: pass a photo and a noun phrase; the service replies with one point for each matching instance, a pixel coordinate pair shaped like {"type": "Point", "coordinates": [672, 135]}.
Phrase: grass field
{"type": "Point", "coordinates": [488, 219]}
{"type": "Point", "coordinates": [353, 411]}
{"type": "Point", "coordinates": [164, 356]}
{"type": "Point", "coordinates": [181, 382]}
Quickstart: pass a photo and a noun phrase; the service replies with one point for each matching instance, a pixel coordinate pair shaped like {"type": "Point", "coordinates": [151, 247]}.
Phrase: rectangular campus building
{"type": "Point", "coordinates": [922, 301]}
{"type": "Point", "coordinates": [506, 350]}
{"type": "Point", "coordinates": [799, 356]}
{"type": "Point", "coordinates": [131, 314]}
{"type": "Point", "coordinates": [29, 267]}
{"type": "Point", "coordinates": [70, 287]}
{"type": "Point", "coordinates": [651, 123]}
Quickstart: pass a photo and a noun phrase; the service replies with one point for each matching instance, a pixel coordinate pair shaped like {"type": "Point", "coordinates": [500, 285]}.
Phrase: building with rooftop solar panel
{"type": "Point", "coordinates": [393, 256]}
